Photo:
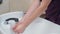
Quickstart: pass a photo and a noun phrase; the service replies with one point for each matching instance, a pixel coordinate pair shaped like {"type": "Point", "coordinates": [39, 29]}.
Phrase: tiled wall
{"type": "Point", "coordinates": [17, 5]}
{"type": "Point", "coordinates": [4, 7]}
{"type": "Point", "coordinates": [14, 5]}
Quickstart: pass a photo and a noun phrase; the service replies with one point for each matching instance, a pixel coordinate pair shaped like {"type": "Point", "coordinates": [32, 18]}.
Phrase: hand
{"type": "Point", "coordinates": [19, 28]}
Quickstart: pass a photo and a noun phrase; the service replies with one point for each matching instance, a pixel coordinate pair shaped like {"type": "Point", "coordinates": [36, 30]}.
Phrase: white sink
{"type": "Point", "coordinates": [38, 26]}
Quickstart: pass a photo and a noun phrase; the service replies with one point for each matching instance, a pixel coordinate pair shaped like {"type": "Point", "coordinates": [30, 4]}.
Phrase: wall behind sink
{"type": "Point", "coordinates": [17, 5]}
{"type": "Point", "coordinates": [14, 5]}
{"type": "Point", "coordinates": [4, 7]}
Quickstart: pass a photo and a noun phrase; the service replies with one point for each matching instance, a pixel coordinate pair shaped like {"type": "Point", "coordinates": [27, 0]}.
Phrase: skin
{"type": "Point", "coordinates": [35, 10]}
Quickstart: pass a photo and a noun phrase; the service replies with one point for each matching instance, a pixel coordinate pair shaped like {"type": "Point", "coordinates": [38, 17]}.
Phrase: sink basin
{"type": "Point", "coordinates": [38, 26]}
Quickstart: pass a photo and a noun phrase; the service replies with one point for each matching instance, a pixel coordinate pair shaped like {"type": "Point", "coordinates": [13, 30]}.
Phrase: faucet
{"type": "Point", "coordinates": [15, 19]}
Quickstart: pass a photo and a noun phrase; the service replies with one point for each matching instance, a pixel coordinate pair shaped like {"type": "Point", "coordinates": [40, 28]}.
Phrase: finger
{"type": "Point", "coordinates": [17, 33]}
{"type": "Point", "coordinates": [17, 28]}
{"type": "Point", "coordinates": [14, 27]}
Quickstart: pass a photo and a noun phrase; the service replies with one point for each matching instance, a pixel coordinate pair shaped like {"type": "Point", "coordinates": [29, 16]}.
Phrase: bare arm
{"type": "Point", "coordinates": [31, 15]}
{"type": "Point", "coordinates": [32, 8]}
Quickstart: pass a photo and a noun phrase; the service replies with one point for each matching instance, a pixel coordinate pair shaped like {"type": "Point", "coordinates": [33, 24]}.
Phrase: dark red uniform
{"type": "Point", "coordinates": [53, 11]}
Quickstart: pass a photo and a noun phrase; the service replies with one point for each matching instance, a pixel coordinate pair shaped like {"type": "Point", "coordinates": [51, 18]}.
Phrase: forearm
{"type": "Point", "coordinates": [31, 15]}
{"type": "Point", "coordinates": [32, 8]}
